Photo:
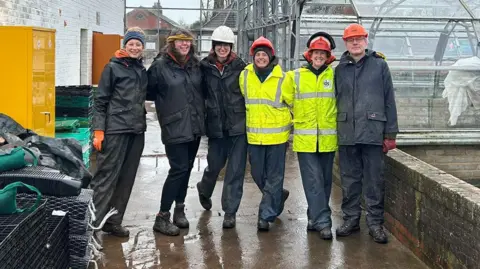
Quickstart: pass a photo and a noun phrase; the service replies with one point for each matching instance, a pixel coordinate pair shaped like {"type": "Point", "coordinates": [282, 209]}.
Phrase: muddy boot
{"type": "Point", "coordinates": [164, 226]}
{"type": "Point", "coordinates": [204, 201]}
{"type": "Point", "coordinates": [347, 228]}
{"type": "Point", "coordinates": [229, 221]}
{"type": "Point", "coordinates": [310, 226]}
{"type": "Point", "coordinates": [263, 225]}
{"type": "Point", "coordinates": [378, 234]}
{"type": "Point", "coordinates": [179, 218]}
{"type": "Point", "coordinates": [116, 230]}
{"type": "Point", "coordinates": [285, 195]}
{"type": "Point", "coordinates": [326, 233]}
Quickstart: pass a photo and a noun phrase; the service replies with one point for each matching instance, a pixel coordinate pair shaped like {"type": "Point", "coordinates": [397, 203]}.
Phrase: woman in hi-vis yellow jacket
{"type": "Point", "coordinates": [268, 128]}
{"type": "Point", "coordinates": [310, 90]}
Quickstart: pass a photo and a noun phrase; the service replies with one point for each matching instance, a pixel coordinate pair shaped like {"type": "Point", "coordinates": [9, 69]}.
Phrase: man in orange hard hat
{"type": "Point", "coordinates": [367, 127]}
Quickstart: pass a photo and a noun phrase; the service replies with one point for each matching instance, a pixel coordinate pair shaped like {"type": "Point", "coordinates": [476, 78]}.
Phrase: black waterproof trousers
{"type": "Point", "coordinates": [181, 158]}
{"type": "Point", "coordinates": [362, 165]}
{"type": "Point", "coordinates": [233, 148]}
{"type": "Point", "coordinates": [113, 181]}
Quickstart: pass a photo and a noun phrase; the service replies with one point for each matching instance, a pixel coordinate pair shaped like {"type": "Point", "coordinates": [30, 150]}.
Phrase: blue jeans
{"type": "Point", "coordinates": [316, 170]}
{"type": "Point", "coordinates": [268, 170]}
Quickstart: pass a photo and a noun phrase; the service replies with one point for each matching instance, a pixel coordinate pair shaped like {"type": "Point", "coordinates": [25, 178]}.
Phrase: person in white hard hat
{"type": "Point", "coordinates": [225, 124]}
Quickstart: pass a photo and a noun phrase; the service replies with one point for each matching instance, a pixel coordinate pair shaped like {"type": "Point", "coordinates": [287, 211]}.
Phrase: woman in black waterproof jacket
{"type": "Point", "coordinates": [175, 84]}
{"type": "Point", "coordinates": [225, 124]}
{"type": "Point", "coordinates": [119, 126]}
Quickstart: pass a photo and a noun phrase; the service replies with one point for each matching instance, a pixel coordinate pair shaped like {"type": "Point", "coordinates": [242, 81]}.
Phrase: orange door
{"type": "Point", "coordinates": [104, 47]}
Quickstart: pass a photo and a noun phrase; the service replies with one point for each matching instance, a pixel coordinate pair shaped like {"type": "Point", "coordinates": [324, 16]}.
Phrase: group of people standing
{"type": "Point", "coordinates": [248, 112]}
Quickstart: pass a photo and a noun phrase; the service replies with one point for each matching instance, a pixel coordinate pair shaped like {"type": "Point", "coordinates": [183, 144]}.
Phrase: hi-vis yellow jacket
{"type": "Point", "coordinates": [268, 118]}
{"type": "Point", "coordinates": [314, 109]}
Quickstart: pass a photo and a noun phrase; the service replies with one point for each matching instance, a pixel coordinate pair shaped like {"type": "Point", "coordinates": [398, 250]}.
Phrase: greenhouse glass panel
{"type": "Point", "coordinates": [411, 9]}
{"type": "Point", "coordinates": [474, 6]}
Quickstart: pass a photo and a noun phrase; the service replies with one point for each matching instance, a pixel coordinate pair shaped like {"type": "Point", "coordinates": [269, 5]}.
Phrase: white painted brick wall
{"type": "Point", "coordinates": [77, 14]}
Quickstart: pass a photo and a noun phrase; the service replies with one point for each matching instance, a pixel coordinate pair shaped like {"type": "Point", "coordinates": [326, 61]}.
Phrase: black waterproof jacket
{"type": "Point", "coordinates": [119, 103]}
{"type": "Point", "coordinates": [366, 106]}
{"type": "Point", "coordinates": [179, 100]}
{"type": "Point", "coordinates": [224, 100]}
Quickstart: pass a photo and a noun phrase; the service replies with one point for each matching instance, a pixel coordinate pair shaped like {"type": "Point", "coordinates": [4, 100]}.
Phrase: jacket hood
{"type": "Point", "coordinates": [121, 57]}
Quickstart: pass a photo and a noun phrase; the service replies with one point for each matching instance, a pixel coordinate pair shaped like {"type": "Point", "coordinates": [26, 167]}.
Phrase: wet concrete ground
{"type": "Point", "coordinates": [206, 245]}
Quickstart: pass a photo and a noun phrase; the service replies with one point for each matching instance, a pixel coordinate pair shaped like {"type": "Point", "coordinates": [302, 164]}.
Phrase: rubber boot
{"type": "Point", "coordinates": [164, 226]}
{"type": "Point", "coordinates": [229, 221]}
{"type": "Point", "coordinates": [116, 230]}
{"type": "Point", "coordinates": [285, 195]}
{"type": "Point", "coordinates": [204, 201]}
{"type": "Point", "coordinates": [179, 218]}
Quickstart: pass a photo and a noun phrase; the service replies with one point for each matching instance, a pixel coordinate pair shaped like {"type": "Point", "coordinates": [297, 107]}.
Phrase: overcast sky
{"type": "Point", "coordinates": [188, 16]}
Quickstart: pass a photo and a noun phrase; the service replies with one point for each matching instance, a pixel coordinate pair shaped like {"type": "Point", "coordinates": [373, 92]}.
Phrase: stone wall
{"type": "Point", "coordinates": [433, 213]}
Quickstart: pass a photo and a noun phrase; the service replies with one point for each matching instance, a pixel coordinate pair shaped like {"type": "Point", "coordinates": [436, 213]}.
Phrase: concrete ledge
{"type": "Point", "coordinates": [432, 212]}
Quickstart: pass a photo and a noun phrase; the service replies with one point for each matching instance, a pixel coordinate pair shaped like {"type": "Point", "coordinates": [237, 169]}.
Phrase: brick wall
{"type": "Point", "coordinates": [460, 161]}
{"type": "Point", "coordinates": [423, 112]}
{"type": "Point", "coordinates": [433, 213]}
{"type": "Point", "coordinates": [68, 17]}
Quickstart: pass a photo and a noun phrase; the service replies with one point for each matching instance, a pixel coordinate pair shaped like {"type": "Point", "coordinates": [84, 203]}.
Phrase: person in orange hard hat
{"type": "Point", "coordinates": [119, 125]}
{"type": "Point", "coordinates": [309, 90]}
{"type": "Point", "coordinates": [367, 128]}
{"type": "Point", "coordinates": [268, 122]}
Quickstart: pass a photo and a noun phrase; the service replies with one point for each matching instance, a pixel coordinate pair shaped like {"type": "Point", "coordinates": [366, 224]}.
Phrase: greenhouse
{"type": "Point", "coordinates": [421, 41]}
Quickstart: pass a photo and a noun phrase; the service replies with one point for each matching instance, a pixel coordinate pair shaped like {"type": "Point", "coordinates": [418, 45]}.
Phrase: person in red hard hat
{"type": "Point", "coordinates": [309, 90]}
{"type": "Point", "coordinates": [367, 127]}
{"type": "Point", "coordinates": [268, 128]}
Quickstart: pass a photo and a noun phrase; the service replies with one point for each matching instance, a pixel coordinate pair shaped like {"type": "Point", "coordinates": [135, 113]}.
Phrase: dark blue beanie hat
{"type": "Point", "coordinates": [134, 35]}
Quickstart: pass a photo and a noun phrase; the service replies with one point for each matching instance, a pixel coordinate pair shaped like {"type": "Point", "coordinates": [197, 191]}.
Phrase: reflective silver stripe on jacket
{"type": "Point", "coordinates": [299, 95]}
{"type": "Point", "coordinates": [269, 130]}
{"type": "Point", "coordinates": [315, 131]}
{"type": "Point", "coordinates": [263, 101]}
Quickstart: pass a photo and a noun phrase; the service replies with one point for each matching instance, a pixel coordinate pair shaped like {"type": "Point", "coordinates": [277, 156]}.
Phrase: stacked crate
{"type": "Point", "coordinates": [74, 115]}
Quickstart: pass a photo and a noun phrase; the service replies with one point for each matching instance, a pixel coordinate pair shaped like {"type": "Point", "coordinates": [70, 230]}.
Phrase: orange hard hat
{"type": "Point", "coordinates": [354, 29]}
{"type": "Point", "coordinates": [261, 41]}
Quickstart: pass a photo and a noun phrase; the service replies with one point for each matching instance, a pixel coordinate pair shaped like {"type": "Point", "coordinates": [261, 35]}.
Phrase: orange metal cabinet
{"type": "Point", "coordinates": [27, 77]}
{"type": "Point", "coordinates": [103, 49]}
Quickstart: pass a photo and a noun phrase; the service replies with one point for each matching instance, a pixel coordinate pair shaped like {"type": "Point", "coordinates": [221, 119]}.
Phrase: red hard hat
{"type": "Point", "coordinates": [320, 43]}
{"type": "Point", "coordinates": [261, 41]}
{"type": "Point", "coordinates": [354, 29]}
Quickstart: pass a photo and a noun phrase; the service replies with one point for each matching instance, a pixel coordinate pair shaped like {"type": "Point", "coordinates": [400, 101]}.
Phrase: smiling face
{"type": "Point", "coordinates": [222, 50]}
{"type": "Point", "coordinates": [134, 48]}
{"type": "Point", "coordinates": [261, 59]}
{"type": "Point", "coordinates": [356, 45]}
{"type": "Point", "coordinates": [183, 46]}
{"type": "Point", "coordinates": [319, 57]}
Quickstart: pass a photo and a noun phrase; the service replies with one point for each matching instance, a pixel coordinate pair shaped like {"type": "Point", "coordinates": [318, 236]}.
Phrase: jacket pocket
{"type": "Point", "coordinates": [177, 126]}
{"type": "Point", "coordinates": [376, 116]}
{"type": "Point", "coordinates": [341, 116]}
{"type": "Point", "coordinates": [172, 117]}
{"type": "Point", "coordinates": [375, 125]}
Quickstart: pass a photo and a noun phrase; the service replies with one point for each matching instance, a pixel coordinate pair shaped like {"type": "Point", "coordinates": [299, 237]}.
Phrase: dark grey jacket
{"type": "Point", "coordinates": [224, 100]}
{"type": "Point", "coordinates": [179, 101]}
{"type": "Point", "coordinates": [366, 106]}
{"type": "Point", "coordinates": [119, 105]}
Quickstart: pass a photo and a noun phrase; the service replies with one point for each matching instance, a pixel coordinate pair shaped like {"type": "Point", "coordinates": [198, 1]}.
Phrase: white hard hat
{"type": "Point", "coordinates": [223, 34]}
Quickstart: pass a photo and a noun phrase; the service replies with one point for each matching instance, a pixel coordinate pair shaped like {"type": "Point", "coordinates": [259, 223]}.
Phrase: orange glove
{"type": "Point", "coordinates": [98, 137]}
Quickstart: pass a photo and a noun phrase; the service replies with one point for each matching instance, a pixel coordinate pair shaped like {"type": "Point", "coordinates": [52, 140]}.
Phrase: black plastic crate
{"type": "Point", "coordinates": [76, 206]}
{"type": "Point", "coordinates": [79, 227]}
{"type": "Point", "coordinates": [78, 244]}
{"type": "Point", "coordinates": [46, 181]}
{"type": "Point", "coordinates": [56, 250]}
{"type": "Point", "coordinates": [22, 234]}
{"type": "Point", "coordinates": [79, 262]}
